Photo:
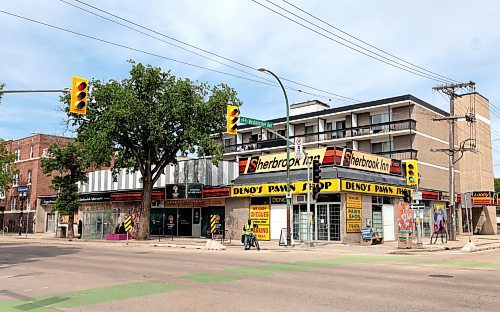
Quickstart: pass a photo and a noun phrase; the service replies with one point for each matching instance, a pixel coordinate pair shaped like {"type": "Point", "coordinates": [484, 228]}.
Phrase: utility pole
{"type": "Point", "coordinates": [450, 90]}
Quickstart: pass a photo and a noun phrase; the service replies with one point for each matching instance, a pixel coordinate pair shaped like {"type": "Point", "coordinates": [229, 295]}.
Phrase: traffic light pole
{"type": "Point", "coordinates": [34, 91]}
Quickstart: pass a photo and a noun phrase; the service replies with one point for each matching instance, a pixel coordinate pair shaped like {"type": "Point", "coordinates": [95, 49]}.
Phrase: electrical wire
{"type": "Point", "coordinates": [192, 46]}
{"type": "Point", "coordinates": [157, 55]}
{"type": "Point", "coordinates": [415, 72]}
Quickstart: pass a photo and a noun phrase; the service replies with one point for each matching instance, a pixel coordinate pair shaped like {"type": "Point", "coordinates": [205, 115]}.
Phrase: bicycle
{"type": "Point", "coordinates": [253, 242]}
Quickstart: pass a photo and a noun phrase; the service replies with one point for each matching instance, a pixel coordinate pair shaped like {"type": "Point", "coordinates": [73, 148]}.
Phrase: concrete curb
{"type": "Point", "coordinates": [412, 251]}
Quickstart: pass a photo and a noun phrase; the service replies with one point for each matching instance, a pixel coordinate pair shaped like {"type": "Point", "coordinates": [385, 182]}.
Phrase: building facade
{"type": "Point", "coordinates": [400, 128]}
{"type": "Point", "coordinates": [16, 213]}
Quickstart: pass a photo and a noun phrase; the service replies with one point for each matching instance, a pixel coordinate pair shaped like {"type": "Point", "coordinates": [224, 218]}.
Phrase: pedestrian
{"type": "Point", "coordinates": [80, 228]}
{"type": "Point", "coordinates": [122, 229]}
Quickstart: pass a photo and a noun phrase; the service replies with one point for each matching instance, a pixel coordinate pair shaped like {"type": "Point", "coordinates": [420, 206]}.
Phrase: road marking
{"type": "Point", "coordinates": [207, 277]}
{"type": "Point", "coordinates": [7, 276]}
{"type": "Point", "coordinates": [89, 296]}
{"type": "Point", "coordinates": [28, 290]}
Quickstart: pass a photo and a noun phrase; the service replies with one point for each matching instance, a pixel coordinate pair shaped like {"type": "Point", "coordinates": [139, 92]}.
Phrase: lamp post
{"type": "Point", "coordinates": [288, 194]}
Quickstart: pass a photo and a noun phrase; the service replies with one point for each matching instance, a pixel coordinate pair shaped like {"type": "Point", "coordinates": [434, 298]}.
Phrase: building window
{"type": "Point", "coordinates": [378, 119]}
{"type": "Point", "coordinates": [30, 176]}
{"type": "Point", "coordinates": [13, 203]}
{"type": "Point", "coordinates": [382, 147]}
{"type": "Point", "coordinates": [229, 142]}
{"type": "Point", "coordinates": [32, 151]}
{"type": "Point", "coordinates": [334, 128]}
{"type": "Point", "coordinates": [18, 154]}
{"type": "Point", "coordinates": [311, 135]}
{"type": "Point", "coordinates": [377, 214]}
{"type": "Point", "coordinates": [15, 179]}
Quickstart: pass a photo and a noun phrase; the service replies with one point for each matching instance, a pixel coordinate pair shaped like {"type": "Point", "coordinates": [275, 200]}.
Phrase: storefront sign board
{"type": "Point", "coordinates": [277, 162]}
{"type": "Point", "coordinates": [370, 162]}
{"type": "Point", "coordinates": [371, 188]}
{"type": "Point", "coordinates": [272, 189]}
{"type": "Point", "coordinates": [353, 226]}
{"type": "Point", "coordinates": [353, 200]}
{"type": "Point", "coordinates": [260, 214]}
{"type": "Point", "coordinates": [263, 232]}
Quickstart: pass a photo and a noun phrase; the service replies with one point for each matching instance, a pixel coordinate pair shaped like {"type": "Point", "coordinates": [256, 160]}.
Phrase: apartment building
{"type": "Point", "coordinates": [16, 212]}
{"type": "Point", "coordinates": [398, 129]}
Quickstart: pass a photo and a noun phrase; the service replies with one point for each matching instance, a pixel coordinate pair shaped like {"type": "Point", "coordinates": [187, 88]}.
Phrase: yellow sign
{"type": "Point", "coordinates": [260, 214]}
{"type": "Point", "coordinates": [263, 232]}
{"type": "Point", "coordinates": [128, 223]}
{"type": "Point", "coordinates": [277, 162]}
{"type": "Point", "coordinates": [353, 226]}
{"type": "Point", "coordinates": [353, 200]}
{"type": "Point", "coordinates": [371, 188]}
{"type": "Point", "coordinates": [354, 214]}
{"type": "Point", "coordinates": [364, 161]}
{"type": "Point", "coordinates": [272, 189]}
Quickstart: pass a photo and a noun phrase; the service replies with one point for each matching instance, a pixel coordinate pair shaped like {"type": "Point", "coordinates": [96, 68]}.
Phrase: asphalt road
{"type": "Point", "coordinates": [52, 277]}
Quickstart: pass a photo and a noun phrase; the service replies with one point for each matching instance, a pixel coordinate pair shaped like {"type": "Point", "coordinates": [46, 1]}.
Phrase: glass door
{"type": "Point", "coordinates": [185, 221]}
{"type": "Point", "coordinates": [322, 221]}
{"type": "Point", "coordinates": [334, 220]}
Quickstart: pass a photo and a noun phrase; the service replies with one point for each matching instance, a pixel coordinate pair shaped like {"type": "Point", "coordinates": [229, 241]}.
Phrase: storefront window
{"type": "Point", "coordinates": [259, 201]}
{"type": "Point", "coordinates": [377, 223]}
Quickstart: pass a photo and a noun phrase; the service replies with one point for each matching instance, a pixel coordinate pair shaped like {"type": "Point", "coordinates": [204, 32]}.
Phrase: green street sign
{"type": "Point", "coordinates": [256, 122]}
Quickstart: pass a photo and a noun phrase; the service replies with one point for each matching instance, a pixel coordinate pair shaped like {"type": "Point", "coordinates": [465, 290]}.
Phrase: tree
{"type": "Point", "coordinates": [497, 184]}
{"type": "Point", "coordinates": [145, 121]}
{"type": "Point", "coordinates": [69, 166]}
{"type": "Point", "coordinates": [7, 166]}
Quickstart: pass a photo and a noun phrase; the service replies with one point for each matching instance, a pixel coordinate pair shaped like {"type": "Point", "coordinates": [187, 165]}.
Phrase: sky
{"type": "Point", "coordinates": [453, 39]}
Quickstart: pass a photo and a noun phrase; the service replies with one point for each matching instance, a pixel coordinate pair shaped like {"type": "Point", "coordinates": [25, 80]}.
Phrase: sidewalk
{"type": "Point", "coordinates": [482, 242]}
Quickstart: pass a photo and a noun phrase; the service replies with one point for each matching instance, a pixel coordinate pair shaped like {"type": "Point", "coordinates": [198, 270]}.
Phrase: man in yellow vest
{"type": "Point", "coordinates": [248, 232]}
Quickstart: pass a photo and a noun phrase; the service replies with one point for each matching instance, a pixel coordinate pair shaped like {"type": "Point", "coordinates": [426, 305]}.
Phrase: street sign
{"type": "Point", "coordinates": [22, 189]}
{"type": "Point", "coordinates": [128, 223]}
{"type": "Point", "coordinates": [417, 206]}
{"type": "Point", "coordinates": [417, 195]}
{"type": "Point", "coordinates": [256, 122]}
{"type": "Point", "coordinates": [299, 148]}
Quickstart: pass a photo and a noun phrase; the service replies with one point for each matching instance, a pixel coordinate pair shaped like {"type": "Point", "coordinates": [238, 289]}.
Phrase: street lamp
{"type": "Point", "coordinates": [288, 194]}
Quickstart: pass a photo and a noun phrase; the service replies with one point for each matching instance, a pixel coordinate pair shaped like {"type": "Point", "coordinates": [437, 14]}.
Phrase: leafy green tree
{"type": "Point", "coordinates": [7, 166]}
{"type": "Point", "coordinates": [146, 120]}
{"type": "Point", "coordinates": [67, 167]}
{"type": "Point", "coordinates": [497, 184]}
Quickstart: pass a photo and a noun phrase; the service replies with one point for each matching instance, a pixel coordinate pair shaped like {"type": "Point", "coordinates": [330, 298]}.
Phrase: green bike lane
{"type": "Point", "coordinates": [125, 292]}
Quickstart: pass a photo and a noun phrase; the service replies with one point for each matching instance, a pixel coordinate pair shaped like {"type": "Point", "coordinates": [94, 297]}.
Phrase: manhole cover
{"type": "Point", "coordinates": [441, 275]}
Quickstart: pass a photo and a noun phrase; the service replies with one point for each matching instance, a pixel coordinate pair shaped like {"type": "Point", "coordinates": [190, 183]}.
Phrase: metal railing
{"type": "Point", "coordinates": [380, 128]}
{"type": "Point", "coordinates": [400, 154]}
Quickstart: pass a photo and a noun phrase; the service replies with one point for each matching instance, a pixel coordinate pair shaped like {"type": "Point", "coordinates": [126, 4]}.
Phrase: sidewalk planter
{"type": "Point", "coordinates": [116, 236]}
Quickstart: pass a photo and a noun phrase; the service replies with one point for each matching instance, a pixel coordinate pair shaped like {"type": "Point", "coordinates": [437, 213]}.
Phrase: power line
{"type": "Point", "coordinates": [154, 54]}
{"type": "Point", "coordinates": [387, 61]}
{"type": "Point", "coordinates": [194, 47]}
{"type": "Point", "coordinates": [364, 42]}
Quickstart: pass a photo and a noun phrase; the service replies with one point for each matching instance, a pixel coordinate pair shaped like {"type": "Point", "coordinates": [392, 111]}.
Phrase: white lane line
{"type": "Point", "coordinates": [28, 289]}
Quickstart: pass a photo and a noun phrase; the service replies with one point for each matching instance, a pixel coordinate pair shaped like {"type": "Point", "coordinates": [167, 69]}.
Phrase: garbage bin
{"type": "Point", "coordinates": [62, 232]}
{"type": "Point", "coordinates": [405, 239]}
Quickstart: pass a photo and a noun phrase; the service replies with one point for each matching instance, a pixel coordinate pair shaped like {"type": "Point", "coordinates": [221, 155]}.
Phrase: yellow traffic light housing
{"type": "Point", "coordinates": [79, 94]}
{"type": "Point", "coordinates": [412, 172]}
{"type": "Point", "coordinates": [233, 114]}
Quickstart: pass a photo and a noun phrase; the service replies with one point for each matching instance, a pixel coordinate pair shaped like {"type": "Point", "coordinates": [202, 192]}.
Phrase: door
{"type": "Point", "coordinates": [278, 220]}
{"type": "Point", "coordinates": [185, 222]}
{"type": "Point", "coordinates": [196, 222]}
{"type": "Point", "coordinates": [51, 223]}
{"type": "Point", "coordinates": [334, 220]}
{"type": "Point", "coordinates": [322, 221]}
{"type": "Point", "coordinates": [388, 222]}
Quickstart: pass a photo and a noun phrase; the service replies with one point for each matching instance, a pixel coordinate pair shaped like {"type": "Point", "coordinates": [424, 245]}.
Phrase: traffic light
{"type": "Point", "coordinates": [316, 171]}
{"type": "Point", "coordinates": [233, 114]}
{"type": "Point", "coordinates": [411, 172]}
{"type": "Point", "coordinates": [79, 94]}
{"type": "Point", "coordinates": [316, 190]}
{"type": "Point", "coordinates": [406, 196]}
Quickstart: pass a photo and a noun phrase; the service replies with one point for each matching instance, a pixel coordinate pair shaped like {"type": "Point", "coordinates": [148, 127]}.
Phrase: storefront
{"type": "Point", "coordinates": [356, 190]}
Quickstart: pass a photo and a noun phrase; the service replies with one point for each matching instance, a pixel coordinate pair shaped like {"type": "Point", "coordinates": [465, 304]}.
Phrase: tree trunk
{"type": "Point", "coordinates": [71, 220]}
{"type": "Point", "coordinates": [147, 188]}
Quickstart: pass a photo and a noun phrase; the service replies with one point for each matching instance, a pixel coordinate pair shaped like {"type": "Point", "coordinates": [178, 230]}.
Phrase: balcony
{"type": "Point", "coordinates": [380, 128]}
{"type": "Point", "coordinates": [400, 154]}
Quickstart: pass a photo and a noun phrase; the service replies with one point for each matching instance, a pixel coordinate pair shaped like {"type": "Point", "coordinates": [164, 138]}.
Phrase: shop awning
{"type": "Point", "coordinates": [329, 172]}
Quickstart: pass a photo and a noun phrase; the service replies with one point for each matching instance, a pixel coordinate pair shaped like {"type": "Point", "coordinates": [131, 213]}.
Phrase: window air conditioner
{"type": "Point", "coordinates": [155, 203]}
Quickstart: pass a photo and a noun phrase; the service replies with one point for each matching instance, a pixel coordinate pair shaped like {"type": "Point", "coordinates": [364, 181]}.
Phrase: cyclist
{"type": "Point", "coordinates": [248, 232]}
